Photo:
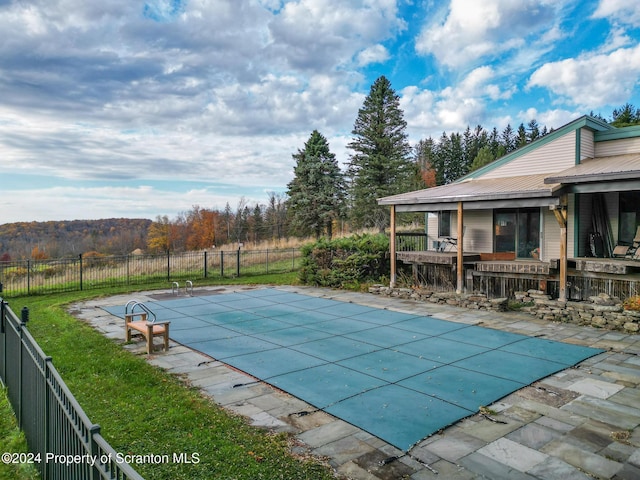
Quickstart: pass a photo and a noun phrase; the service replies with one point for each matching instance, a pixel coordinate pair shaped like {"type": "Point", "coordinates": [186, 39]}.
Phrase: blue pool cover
{"type": "Point", "coordinates": [400, 377]}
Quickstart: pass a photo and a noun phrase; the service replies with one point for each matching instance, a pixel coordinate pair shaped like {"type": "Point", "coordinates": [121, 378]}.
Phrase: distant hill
{"type": "Point", "coordinates": [55, 239]}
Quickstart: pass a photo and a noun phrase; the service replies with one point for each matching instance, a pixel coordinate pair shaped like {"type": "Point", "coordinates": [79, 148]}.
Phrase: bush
{"type": "Point", "coordinates": [632, 303]}
{"type": "Point", "coordinates": [345, 262]}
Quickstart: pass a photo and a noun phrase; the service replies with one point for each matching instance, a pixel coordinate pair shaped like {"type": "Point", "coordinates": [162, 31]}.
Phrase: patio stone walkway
{"type": "Point", "coordinates": [581, 423]}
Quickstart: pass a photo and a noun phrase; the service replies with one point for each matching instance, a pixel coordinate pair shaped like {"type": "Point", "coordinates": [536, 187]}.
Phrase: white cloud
{"type": "Point", "coordinates": [473, 30]}
{"type": "Point", "coordinates": [453, 108]}
{"type": "Point", "coordinates": [621, 11]}
{"type": "Point", "coordinates": [592, 81]}
{"type": "Point", "coordinates": [374, 54]}
{"type": "Point", "coordinates": [550, 118]}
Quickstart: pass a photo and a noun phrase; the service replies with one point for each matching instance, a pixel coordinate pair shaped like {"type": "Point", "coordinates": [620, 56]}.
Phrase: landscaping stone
{"type": "Point", "coordinates": [600, 311]}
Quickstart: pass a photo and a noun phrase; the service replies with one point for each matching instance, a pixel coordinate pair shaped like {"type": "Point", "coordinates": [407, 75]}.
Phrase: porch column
{"type": "Point", "coordinates": [561, 216]}
{"type": "Point", "coordinates": [460, 261]}
{"type": "Point", "coordinates": [392, 247]}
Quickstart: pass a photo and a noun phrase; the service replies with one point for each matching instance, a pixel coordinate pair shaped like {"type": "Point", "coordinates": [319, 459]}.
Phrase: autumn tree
{"type": "Point", "coordinates": [159, 234]}
{"type": "Point", "coordinates": [380, 164]}
{"type": "Point", "coordinates": [317, 191]}
{"type": "Point", "coordinates": [202, 228]}
{"type": "Point", "coordinates": [424, 156]}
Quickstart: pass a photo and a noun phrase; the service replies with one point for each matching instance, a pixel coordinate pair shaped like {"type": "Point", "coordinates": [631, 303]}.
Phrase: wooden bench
{"type": "Point", "coordinates": [139, 322]}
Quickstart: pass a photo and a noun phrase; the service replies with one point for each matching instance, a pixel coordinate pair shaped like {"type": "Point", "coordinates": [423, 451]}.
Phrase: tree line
{"type": "Point", "coordinates": [320, 197]}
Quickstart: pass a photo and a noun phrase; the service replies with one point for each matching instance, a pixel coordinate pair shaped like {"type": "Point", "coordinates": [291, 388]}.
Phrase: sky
{"type": "Point", "coordinates": [139, 109]}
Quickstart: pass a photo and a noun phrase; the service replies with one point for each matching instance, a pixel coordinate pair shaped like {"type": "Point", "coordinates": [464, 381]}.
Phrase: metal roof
{"type": "Point", "coordinates": [509, 189]}
{"type": "Point", "coordinates": [599, 169]}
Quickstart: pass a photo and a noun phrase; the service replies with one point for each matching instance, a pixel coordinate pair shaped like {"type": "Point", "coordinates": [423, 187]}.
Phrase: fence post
{"type": "Point", "coordinates": [168, 265]}
{"type": "Point", "coordinates": [267, 261]}
{"type": "Point", "coordinates": [23, 318]}
{"type": "Point", "coordinates": [3, 312]}
{"type": "Point", "coordinates": [238, 264]}
{"type": "Point", "coordinates": [47, 413]}
{"type": "Point", "coordinates": [222, 263]}
{"type": "Point", "coordinates": [28, 277]}
{"type": "Point", "coordinates": [94, 430]}
{"type": "Point", "coordinates": [80, 258]}
{"type": "Point", "coordinates": [205, 264]}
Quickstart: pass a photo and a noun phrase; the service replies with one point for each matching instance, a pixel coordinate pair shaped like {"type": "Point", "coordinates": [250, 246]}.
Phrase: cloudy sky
{"type": "Point", "coordinates": [134, 108]}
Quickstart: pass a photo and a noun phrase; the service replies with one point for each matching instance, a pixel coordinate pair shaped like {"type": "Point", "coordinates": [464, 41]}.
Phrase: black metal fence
{"type": "Point", "coordinates": [27, 277]}
{"type": "Point", "coordinates": [63, 442]}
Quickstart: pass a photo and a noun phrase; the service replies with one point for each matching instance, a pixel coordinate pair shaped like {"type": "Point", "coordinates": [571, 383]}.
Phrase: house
{"type": "Point", "coordinates": [560, 214]}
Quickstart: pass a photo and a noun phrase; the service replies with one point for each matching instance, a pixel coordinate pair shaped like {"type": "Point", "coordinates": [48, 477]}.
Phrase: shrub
{"type": "Point", "coordinates": [632, 303]}
{"type": "Point", "coordinates": [345, 262]}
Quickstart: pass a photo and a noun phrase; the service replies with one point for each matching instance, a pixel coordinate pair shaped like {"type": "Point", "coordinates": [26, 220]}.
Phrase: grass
{"type": "Point", "coordinates": [143, 410]}
{"type": "Point", "coordinates": [12, 441]}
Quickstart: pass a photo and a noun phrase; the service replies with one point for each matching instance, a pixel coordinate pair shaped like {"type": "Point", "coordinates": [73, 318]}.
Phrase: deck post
{"type": "Point", "coordinates": [392, 247]}
{"type": "Point", "coordinates": [459, 242]}
{"type": "Point", "coordinates": [561, 216]}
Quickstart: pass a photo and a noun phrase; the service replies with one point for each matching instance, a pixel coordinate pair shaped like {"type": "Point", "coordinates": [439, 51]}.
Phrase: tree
{"type": "Point", "coordinates": [522, 138]}
{"type": "Point", "coordinates": [424, 156]}
{"type": "Point", "coordinates": [483, 158]}
{"type": "Point", "coordinates": [533, 131]}
{"type": "Point", "coordinates": [202, 228]}
{"type": "Point", "coordinates": [159, 234]}
{"type": "Point", "coordinates": [276, 215]}
{"type": "Point", "coordinates": [508, 139]}
{"type": "Point", "coordinates": [317, 191]}
{"type": "Point", "coordinates": [381, 164]}
{"type": "Point", "coordinates": [257, 223]}
{"type": "Point", "coordinates": [625, 116]}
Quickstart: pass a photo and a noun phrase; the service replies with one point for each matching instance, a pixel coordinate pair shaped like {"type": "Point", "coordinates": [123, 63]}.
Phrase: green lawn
{"type": "Point", "coordinates": [143, 410]}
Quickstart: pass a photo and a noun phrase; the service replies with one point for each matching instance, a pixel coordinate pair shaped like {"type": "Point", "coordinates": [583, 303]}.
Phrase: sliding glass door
{"type": "Point", "coordinates": [517, 231]}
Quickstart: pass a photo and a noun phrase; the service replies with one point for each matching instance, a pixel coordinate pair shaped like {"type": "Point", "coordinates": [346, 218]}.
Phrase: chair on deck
{"type": "Point", "coordinates": [629, 251]}
{"type": "Point", "coordinates": [450, 244]}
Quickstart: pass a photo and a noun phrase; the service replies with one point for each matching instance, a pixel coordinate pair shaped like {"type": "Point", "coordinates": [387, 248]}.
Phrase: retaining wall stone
{"type": "Point", "coordinates": [600, 311]}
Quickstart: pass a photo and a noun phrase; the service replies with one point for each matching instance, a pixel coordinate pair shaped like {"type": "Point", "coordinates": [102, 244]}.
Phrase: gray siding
{"type": "Point", "coordinates": [550, 236]}
{"type": "Point", "coordinates": [618, 147]}
{"type": "Point", "coordinates": [587, 144]}
{"type": "Point", "coordinates": [552, 157]}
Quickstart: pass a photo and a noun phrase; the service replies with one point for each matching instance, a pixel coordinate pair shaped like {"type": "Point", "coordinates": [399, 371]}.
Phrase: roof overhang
{"type": "Point", "coordinates": [601, 174]}
{"type": "Point", "coordinates": [480, 194]}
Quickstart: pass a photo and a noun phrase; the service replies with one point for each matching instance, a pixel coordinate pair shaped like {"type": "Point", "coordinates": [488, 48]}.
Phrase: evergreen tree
{"type": "Point", "coordinates": [483, 158]}
{"type": "Point", "coordinates": [381, 163]}
{"type": "Point", "coordinates": [257, 224]}
{"type": "Point", "coordinates": [533, 131]}
{"type": "Point", "coordinates": [508, 139]}
{"type": "Point", "coordinates": [521, 138]}
{"type": "Point", "coordinates": [625, 116]}
{"type": "Point", "coordinates": [317, 191]}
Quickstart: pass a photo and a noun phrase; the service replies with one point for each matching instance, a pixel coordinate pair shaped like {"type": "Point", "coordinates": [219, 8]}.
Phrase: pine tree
{"type": "Point", "coordinates": [625, 116]}
{"type": "Point", "coordinates": [381, 163]}
{"type": "Point", "coordinates": [521, 138]}
{"type": "Point", "coordinates": [508, 139]}
{"type": "Point", "coordinates": [317, 191]}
